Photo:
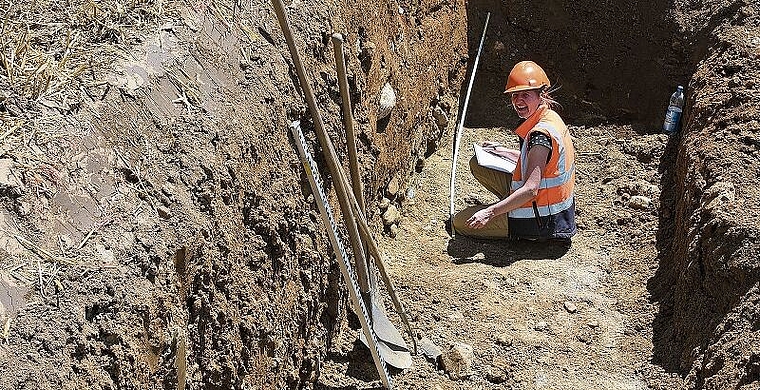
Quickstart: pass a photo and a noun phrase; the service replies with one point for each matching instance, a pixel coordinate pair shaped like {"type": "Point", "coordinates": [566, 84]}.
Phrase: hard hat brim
{"type": "Point", "coordinates": [522, 88]}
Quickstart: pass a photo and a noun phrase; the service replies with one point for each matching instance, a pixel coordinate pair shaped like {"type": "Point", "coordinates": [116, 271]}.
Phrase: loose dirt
{"type": "Point", "coordinates": [537, 316]}
{"type": "Point", "coordinates": [157, 230]}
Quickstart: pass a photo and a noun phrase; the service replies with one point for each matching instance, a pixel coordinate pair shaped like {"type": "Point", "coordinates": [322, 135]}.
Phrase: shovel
{"type": "Point", "coordinates": [392, 347]}
{"type": "Point", "coordinates": [348, 203]}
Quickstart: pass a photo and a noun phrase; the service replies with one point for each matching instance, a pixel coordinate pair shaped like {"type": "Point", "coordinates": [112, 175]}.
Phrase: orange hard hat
{"type": "Point", "coordinates": [526, 75]}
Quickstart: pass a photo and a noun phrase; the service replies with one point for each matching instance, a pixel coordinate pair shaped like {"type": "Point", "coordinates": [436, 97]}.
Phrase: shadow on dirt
{"type": "Point", "coordinates": [706, 260]}
{"type": "Point", "coordinates": [502, 253]}
{"type": "Point", "coordinates": [666, 352]}
{"type": "Point", "coordinates": [359, 365]}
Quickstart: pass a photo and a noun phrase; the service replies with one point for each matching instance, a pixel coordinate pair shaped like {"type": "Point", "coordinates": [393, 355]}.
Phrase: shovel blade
{"type": "Point", "coordinates": [384, 329]}
{"type": "Point", "coordinates": [391, 344]}
{"type": "Point", "coordinates": [399, 358]}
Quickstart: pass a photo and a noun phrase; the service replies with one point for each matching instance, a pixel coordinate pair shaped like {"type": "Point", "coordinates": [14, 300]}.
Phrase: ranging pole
{"type": "Point", "coordinates": [458, 134]}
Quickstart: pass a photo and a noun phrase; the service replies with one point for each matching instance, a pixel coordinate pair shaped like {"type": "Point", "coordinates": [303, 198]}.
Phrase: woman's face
{"type": "Point", "coordinates": [526, 102]}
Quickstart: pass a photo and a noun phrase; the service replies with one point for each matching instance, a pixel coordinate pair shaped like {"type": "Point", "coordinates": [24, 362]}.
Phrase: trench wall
{"type": "Point", "coordinates": [210, 265]}
{"type": "Point", "coordinates": [708, 284]}
{"type": "Point", "coordinates": [206, 263]}
{"type": "Point", "coordinates": [607, 61]}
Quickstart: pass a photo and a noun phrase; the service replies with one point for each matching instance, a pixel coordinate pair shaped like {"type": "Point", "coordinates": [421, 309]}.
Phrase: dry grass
{"type": "Point", "coordinates": [51, 51]}
{"type": "Point", "coordinates": [54, 58]}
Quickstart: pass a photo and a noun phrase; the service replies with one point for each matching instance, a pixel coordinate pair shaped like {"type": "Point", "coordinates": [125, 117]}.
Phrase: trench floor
{"type": "Point", "coordinates": [536, 316]}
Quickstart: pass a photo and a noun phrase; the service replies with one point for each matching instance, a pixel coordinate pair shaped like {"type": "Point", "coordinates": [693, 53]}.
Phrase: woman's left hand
{"type": "Point", "coordinates": [481, 218]}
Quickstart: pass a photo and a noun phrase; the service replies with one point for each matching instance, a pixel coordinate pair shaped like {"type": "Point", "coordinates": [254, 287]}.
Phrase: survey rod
{"type": "Point", "coordinates": [460, 126]}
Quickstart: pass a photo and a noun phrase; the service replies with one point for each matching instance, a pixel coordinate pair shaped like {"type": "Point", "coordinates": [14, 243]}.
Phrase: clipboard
{"type": "Point", "coordinates": [493, 161]}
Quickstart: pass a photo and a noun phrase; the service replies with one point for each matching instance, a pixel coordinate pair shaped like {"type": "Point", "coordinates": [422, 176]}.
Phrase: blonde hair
{"type": "Point", "coordinates": [546, 97]}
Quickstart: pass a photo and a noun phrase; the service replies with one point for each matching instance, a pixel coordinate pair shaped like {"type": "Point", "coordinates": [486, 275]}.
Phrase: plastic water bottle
{"type": "Point", "coordinates": [674, 112]}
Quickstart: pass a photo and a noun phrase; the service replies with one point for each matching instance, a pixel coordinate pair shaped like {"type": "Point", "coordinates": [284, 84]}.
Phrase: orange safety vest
{"type": "Point", "coordinates": [551, 214]}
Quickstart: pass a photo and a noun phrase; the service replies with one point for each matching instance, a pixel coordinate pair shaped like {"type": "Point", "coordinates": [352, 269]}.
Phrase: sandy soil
{"type": "Point", "coordinates": [537, 316]}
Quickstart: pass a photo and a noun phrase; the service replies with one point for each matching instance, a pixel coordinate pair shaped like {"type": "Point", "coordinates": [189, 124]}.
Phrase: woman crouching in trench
{"type": "Point", "coordinates": [536, 200]}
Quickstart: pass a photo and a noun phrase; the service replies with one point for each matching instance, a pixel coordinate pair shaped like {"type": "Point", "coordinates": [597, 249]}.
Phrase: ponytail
{"type": "Point", "coordinates": [547, 99]}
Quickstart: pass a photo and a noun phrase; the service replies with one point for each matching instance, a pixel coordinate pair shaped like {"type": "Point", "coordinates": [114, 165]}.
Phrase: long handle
{"type": "Point", "coordinates": [358, 200]}
{"type": "Point", "coordinates": [458, 136]}
{"type": "Point", "coordinates": [348, 119]}
{"type": "Point", "coordinates": [327, 147]}
{"type": "Point", "coordinates": [345, 198]}
{"type": "Point", "coordinates": [348, 124]}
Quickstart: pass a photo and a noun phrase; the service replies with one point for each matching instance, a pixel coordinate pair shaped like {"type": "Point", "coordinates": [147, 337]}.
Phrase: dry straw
{"type": "Point", "coordinates": [54, 55]}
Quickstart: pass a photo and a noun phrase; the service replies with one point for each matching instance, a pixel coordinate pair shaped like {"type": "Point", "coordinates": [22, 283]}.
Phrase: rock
{"type": "Point", "coordinates": [391, 216]}
{"type": "Point", "coordinates": [639, 202]}
{"type": "Point", "coordinates": [368, 49]}
{"type": "Point", "coordinates": [410, 193]}
{"type": "Point", "coordinates": [457, 361]}
{"type": "Point", "coordinates": [570, 307]}
{"type": "Point", "coordinates": [10, 182]}
{"type": "Point", "coordinates": [499, 47]}
{"type": "Point", "coordinates": [106, 255]}
{"type": "Point", "coordinates": [164, 212]}
{"type": "Point", "coordinates": [499, 371]}
{"type": "Point", "coordinates": [394, 230]}
{"type": "Point", "coordinates": [720, 195]}
{"type": "Point", "coordinates": [23, 208]}
{"type": "Point", "coordinates": [593, 324]}
{"type": "Point", "coordinates": [65, 241]}
{"type": "Point", "coordinates": [393, 187]}
{"type": "Point", "coordinates": [387, 101]}
{"type": "Point", "coordinates": [541, 326]}
{"type": "Point", "coordinates": [441, 119]}
{"type": "Point", "coordinates": [504, 339]}
{"type": "Point", "coordinates": [384, 203]}
{"type": "Point", "coordinates": [496, 375]}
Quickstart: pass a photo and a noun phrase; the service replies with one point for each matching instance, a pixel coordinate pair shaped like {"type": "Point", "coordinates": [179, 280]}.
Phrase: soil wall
{"type": "Point", "coordinates": [157, 216]}
{"type": "Point", "coordinates": [709, 280]}
{"type": "Point", "coordinates": [161, 198]}
{"type": "Point", "coordinates": [606, 60]}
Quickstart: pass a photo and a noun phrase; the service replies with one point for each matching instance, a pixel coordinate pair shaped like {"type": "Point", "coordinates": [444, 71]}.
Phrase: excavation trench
{"type": "Point", "coordinates": [168, 236]}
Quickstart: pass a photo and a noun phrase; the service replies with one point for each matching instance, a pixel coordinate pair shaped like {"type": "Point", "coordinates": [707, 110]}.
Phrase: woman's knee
{"type": "Point", "coordinates": [474, 166]}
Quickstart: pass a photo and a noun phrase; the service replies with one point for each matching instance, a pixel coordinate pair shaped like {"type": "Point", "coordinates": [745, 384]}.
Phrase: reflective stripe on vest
{"type": "Point", "coordinates": [555, 193]}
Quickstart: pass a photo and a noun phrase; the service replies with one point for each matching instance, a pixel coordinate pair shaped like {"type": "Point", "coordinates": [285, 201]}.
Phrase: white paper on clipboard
{"type": "Point", "coordinates": [493, 161]}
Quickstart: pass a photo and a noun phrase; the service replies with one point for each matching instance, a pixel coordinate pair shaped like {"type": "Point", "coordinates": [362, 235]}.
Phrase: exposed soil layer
{"type": "Point", "coordinates": [157, 229]}
{"type": "Point", "coordinates": [607, 60]}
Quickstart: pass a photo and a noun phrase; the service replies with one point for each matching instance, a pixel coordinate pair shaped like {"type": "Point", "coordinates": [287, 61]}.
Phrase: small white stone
{"type": "Point", "coordinates": [640, 202]}
{"type": "Point", "coordinates": [457, 360]}
{"type": "Point", "coordinates": [387, 101]}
